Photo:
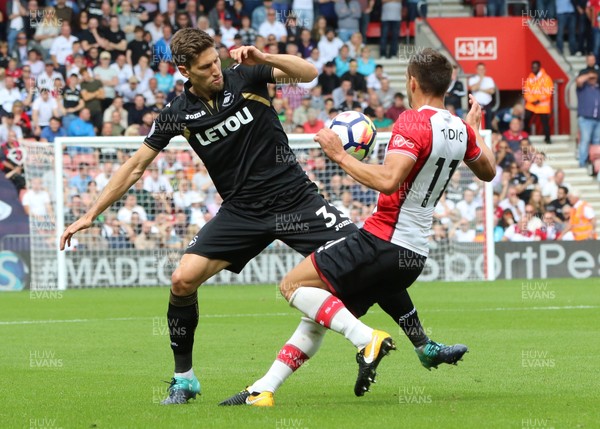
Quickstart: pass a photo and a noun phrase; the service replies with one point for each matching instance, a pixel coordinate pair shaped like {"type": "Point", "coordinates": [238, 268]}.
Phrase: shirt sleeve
{"type": "Point", "coordinates": [405, 139]}
{"type": "Point", "coordinates": [167, 125]}
{"type": "Point", "coordinates": [256, 75]}
{"type": "Point", "coordinates": [473, 151]}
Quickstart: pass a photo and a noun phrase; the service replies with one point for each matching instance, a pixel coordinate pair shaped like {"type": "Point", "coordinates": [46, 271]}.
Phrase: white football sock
{"type": "Point", "coordinates": [302, 345]}
{"type": "Point", "coordinates": [189, 374]}
{"type": "Point", "coordinates": [325, 309]}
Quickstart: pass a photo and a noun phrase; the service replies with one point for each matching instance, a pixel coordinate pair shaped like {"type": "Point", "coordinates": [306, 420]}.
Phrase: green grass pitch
{"type": "Point", "coordinates": [97, 359]}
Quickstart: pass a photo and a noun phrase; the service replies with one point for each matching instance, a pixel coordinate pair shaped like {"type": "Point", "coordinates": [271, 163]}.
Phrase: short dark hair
{"type": "Point", "coordinates": [188, 43]}
{"type": "Point", "coordinates": [564, 188]}
{"type": "Point", "coordinates": [432, 70]}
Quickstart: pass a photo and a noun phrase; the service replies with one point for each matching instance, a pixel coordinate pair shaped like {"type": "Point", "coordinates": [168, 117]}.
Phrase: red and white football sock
{"type": "Point", "coordinates": [302, 345]}
{"type": "Point", "coordinates": [329, 311]}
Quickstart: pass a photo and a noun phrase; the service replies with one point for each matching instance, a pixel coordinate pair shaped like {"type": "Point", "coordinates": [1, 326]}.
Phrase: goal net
{"type": "Point", "coordinates": [140, 239]}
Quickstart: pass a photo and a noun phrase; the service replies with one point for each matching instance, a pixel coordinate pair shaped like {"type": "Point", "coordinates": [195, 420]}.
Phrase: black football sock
{"type": "Point", "coordinates": [401, 308]}
{"type": "Point", "coordinates": [182, 317]}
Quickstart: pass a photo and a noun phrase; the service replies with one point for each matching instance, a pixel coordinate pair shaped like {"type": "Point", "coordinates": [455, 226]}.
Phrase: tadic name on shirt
{"type": "Point", "coordinates": [224, 128]}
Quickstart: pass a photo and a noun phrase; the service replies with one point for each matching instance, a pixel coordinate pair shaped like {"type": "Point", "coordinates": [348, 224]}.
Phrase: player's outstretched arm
{"type": "Point", "coordinates": [386, 178]}
{"type": "Point", "coordinates": [484, 167]}
{"type": "Point", "coordinates": [122, 180]}
{"type": "Point", "coordinates": [285, 66]}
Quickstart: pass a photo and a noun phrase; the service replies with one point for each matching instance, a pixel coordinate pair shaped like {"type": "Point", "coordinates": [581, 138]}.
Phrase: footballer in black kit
{"type": "Point", "coordinates": [266, 194]}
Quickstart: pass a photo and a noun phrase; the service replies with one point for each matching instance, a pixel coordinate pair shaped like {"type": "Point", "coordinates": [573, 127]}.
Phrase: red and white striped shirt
{"type": "Point", "coordinates": [438, 141]}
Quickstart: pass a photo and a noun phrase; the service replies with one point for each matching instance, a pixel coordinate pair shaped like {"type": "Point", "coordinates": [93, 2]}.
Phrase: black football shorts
{"type": "Point", "coordinates": [361, 269]}
{"type": "Point", "coordinates": [302, 219]}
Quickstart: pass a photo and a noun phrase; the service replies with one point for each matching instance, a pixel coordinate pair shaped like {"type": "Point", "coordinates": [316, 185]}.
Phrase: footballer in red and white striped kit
{"type": "Point", "coordinates": [389, 252]}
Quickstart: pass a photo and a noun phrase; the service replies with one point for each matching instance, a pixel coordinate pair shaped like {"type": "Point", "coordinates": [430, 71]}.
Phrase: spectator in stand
{"type": "Point", "coordinates": [513, 203]}
{"type": "Point", "coordinates": [47, 78]}
{"type": "Point", "coordinates": [302, 112]}
{"type": "Point", "coordinates": [165, 80]}
{"type": "Point", "coordinates": [162, 49]}
{"type": "Point", "coordinates": [386, 94]}
{"type": "Point", "coordinates": [524, 181]}
{"type": "Point", "coordinates": [557, 205]}
{"type": "Point", "coordinates": [92, 92]}
{"type": "Point", "coordinates": [565, 13]}
{"type": "Point", "coordinates": [391, 13]}
{"type": "Point", "coordinates": [306, 45]}
{"type": "Point", "coordinates": [259, 14]}
{"type": "Point", "coordinates": [109, 78]}
{"type": "Point", "coordinates": [182, 21]}
{"type": "Point", "coordinates": [91, 37]}
{"type": "Point", "coordinates": [130, 90]}
{"type": "Point", "coordinates": [313, 124]}
{"type": "Point", "coordinates": [146, 124]}
{"type": "Point", "coordinates": [455, 93]}
{"type": "Point", "coordinates": [585, 43]}
{"type": "Point", "coordinates": [550, 191]}
{"type": "Point", "coordinates": [483, 89]}
{"type": "Point", "coordinates": [36, 201]}
{"type": "Point", "coordinates": [8, 126]}
{"type": "Point", "coordinates": [272, 26]}
{"type": "Point", "coordinates": [156, 183]}
{"type": "Point", "coordinates": [9, 95]}
{"type": "Point", "coordinates": [381, 122]}
{"type": "Point", "coordinates": [588, 113]}
{"type": "Point", "coordinates": [55, 129]}
{"type": "Point", "coordinates": [498, 8]}
{"type": "Point", "coordinates": [515, 134]}
{"type": "Point", "coordinates": [467, 205]}
{"type": "Point", "coordinates": [116, 41]}
{"type": "Point", "coordinates": [348, 13]}
{"type": "Point", "coordinates": [504, 155]}
{"type": "Point", "coordinates": [35, 63]}
{"type": "Point", "coordinates": [366, 64]}
{"type": "Point", "coordinates": [349, 102]}
{"type": "Point", "coordinates": [551, 227]}
{"type": "Point", "coordinates": [151, 92]}
{"type": "Point", "coordinates": [82, 126]}
{"type": "Point", "coordinates": [148, 238]}
{"type": "Point", "coordinates": [43, 108]}
{"type": "Point", "coordinates": [129, 208]}
{"type": "Point", "coordinates": [156, 27]}
{"type": "Point", "coordinates": [102, 178]}
{"type": "Point", "coordinates": [137, 47]}
{"type": "Point", "coordinates": [81, 181]}
{"type": "Point", "coordinates": [22, 118]}
{"type": "Point", "coordinates": [507, 219]}
{"type": "Point", "coordinates": [178, 90]}
{"type": "Point", "coordinates": [342, 61]}
{"type": "Point", "coordinates": [116, 123]}
{"type": "Point", "coordinates": [330, 46]}
{"type": "Point", "coordinates": [358, 81]}
{"type": "Point", "coordinates": [537, 202]}
{"type": "Point", "coordinates": [137, 110]}
{"type": "Point", "coordinates": [355, 45]}
{"type": "Point", "coordinates": [123, 70]}
{"type": "Point", "coordinates": [590, 65]}
{"type": "Point", "coordinates": [144, 72]}
{"type": "Point", "coordinates": [520, 231]}
{"type": "Point", "coordinates": [542, 170]}
{"type": "Point", "coordinates": [462, 232]}
{"type": "Point", "coordinates": [305, 14]}
{"type": "Point", "coordinates": [204, 25]}
{"type": "Point", "coordinates": [20, 50]}
{"type": "Point", "coordinates": [78, 62]}
{"type": "Point", "coordinates": [582, 219]}
{"type": "Point", "coordinates": [501, 121]}
{"type": "Point", "coordinates": [526, 152]}
{"type": "Point", "coordinates": [228, 31]}
{"type": "Point", "coordinates": [538, 90]}
{"type": "Point", "coordinates": [397, 107]}
{"type": "Point", "coordinates": [247, 32]}
{"type": "Point", "coordinates": [328, 80]}
{"type": "Point", "coordinates": [128, 21]}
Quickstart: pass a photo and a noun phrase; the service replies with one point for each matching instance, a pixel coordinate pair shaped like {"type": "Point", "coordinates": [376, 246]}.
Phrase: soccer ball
{"type": "Point", "coordinates": [357, 132]}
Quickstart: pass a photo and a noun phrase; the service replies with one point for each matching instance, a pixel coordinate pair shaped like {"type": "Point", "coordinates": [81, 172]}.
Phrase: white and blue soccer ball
{"type": "Point", "coordinates": [357, 133]}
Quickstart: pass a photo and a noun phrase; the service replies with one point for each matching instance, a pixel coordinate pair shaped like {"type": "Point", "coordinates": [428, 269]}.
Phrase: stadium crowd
{"type": "Point", "coordinates": [103, 69]}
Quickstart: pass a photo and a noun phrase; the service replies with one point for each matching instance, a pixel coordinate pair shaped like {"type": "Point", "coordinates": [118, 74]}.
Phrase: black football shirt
{"type": "Point", "coordinates": [237, 135]}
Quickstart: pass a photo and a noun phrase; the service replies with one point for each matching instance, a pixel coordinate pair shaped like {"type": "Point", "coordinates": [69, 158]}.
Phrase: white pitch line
{"type": "Point", "coordinates": [234, 315]}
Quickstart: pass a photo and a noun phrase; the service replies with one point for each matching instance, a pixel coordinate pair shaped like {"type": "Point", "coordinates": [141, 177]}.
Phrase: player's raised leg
{"type": "Point", "coordinates": [182, 318]}
{"type": "Point", "coordinates": [305, 290]}
{"type": "Point", "coordinates": [431, 354]}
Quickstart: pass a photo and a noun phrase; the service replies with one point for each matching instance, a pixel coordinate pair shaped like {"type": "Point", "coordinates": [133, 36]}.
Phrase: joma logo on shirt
{"type": "Point", "coordinates": [222, 129]}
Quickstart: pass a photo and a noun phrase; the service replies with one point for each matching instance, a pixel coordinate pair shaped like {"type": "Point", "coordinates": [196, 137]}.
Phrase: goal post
{"type": "Point", "coordinates": [99, 259]}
